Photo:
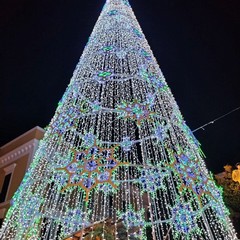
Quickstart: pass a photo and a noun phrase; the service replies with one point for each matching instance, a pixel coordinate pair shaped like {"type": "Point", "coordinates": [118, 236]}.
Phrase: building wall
{"type": "Point", "coordinates": [15, 158]}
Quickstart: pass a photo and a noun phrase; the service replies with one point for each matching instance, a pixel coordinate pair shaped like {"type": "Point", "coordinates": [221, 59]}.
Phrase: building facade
{"type": "Point", "coordinates": [15, 158]}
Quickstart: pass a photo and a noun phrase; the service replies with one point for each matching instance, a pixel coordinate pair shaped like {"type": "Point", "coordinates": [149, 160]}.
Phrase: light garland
{"type": "Point", "coordinates": [117, 154]}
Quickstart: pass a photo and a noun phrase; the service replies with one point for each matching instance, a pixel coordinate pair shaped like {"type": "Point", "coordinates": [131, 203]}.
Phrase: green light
{"type": "Point", "coordinates": [104, 74]}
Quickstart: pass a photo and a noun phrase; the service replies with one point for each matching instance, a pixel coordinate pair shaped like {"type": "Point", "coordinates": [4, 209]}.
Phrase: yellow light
{"type": "Point", "coordinates": [236, 174]}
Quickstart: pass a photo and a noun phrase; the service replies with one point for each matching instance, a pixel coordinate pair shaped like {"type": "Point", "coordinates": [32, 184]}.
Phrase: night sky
{"type": "Point", "coordinates": [196, 43]}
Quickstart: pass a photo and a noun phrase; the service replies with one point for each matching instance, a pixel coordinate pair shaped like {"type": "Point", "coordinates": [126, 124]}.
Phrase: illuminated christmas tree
{"type": "Point", "coordinates": [117, 160]}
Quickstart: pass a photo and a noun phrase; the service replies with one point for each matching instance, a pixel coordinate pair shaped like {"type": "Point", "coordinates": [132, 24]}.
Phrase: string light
{"type": "Point", "coordinates": [117, 155]}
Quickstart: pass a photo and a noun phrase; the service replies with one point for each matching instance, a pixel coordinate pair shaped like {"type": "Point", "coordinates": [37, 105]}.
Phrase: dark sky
{"type": "Point", "coordinates": [196, 43]}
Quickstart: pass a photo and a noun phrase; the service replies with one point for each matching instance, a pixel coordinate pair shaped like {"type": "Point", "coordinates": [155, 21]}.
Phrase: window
{"type": "Point", "coordinates": [5, 187]}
